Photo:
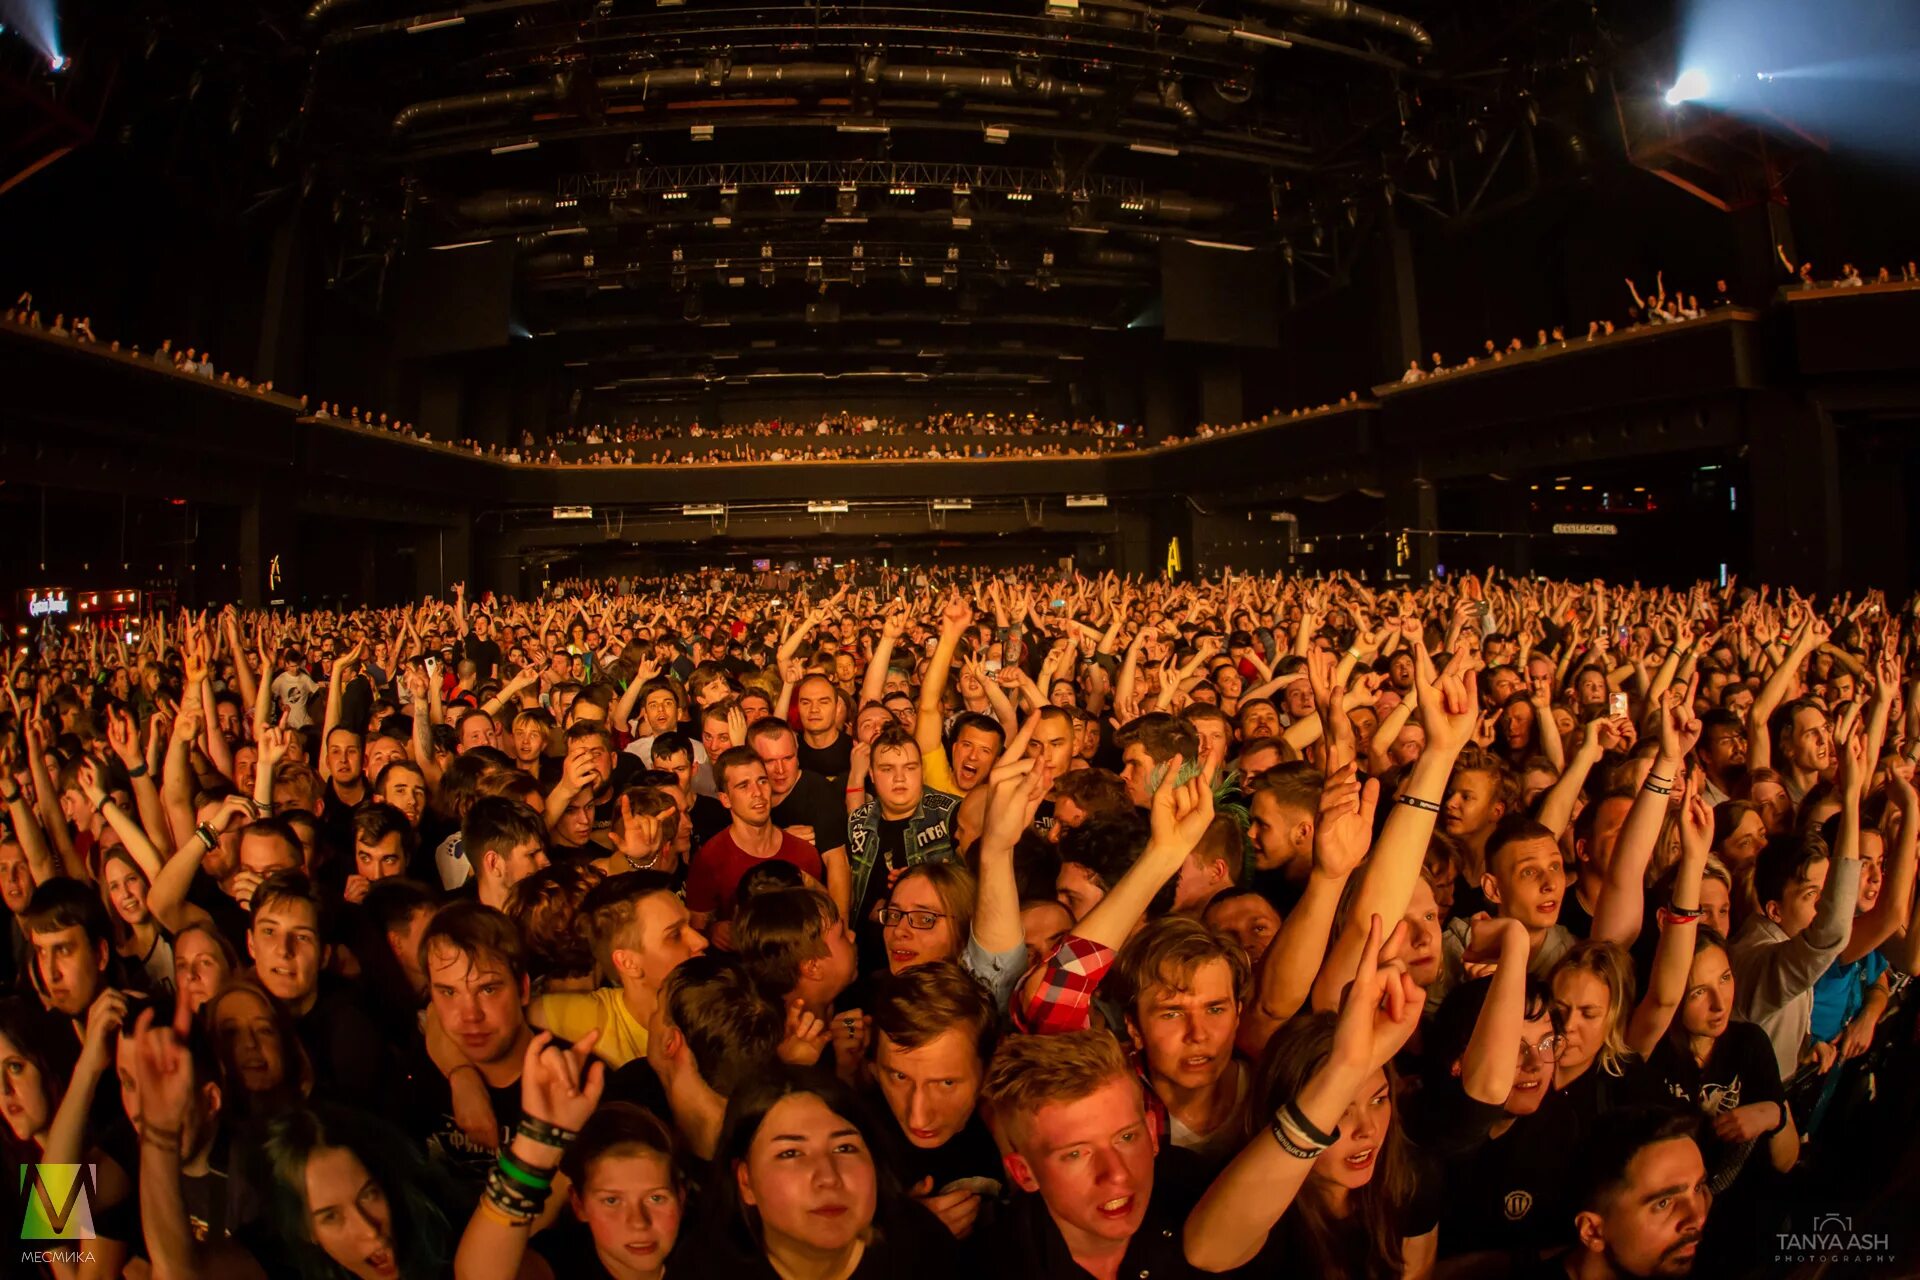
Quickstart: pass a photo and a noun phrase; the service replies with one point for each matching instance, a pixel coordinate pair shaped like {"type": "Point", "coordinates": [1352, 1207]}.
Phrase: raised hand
{"type": "Point", "coordinates": [561, 1086]}
{"type": "Point", "coordinates": [1679, 726]}
{"type": "Point", "coordinates": [123, 736]}
{"type": "Point", "coordinates": [805, 1036]}
{"type": "Point", "coordinates": [1381, 1011]}
{"type": "Point", "coordinates": [1015, 799]}
{"type": "Point", "coordinates": [1181, 811]}
{"type": "Point", "coordinates": [1344, 830]}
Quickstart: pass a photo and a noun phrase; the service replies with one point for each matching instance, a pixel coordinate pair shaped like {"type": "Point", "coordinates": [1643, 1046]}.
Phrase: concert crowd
{"type": "Point", "coordinates": [884, 923]}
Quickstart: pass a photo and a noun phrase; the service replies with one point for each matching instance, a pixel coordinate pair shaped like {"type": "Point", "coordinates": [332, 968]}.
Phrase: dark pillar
{"type": "Point", "coordinates": [1222, 390]}
{"type": "Point", "coordinates": [283, 310]}
{"type": "Point", "coordinates": [1413, 511]}
{"type": "Point", "coordinates": [1793, 471]}
{"type": "Point", "coordinates": [1510, 505]}
{"type": "Point", "coordinates": [1399, 309]}
{"type": "Point", "coordinates": [269, 550]}
{"type": "Point", "coordinates": [1164, 402]}
{"type": "Point", "coordinates": [442, 556]}
{"type": "Point", "coordinates": [440, 397]}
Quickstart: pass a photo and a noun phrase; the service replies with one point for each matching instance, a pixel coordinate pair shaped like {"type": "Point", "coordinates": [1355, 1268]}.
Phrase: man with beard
{"type": "Point", "coordinates": [1642, 1203]}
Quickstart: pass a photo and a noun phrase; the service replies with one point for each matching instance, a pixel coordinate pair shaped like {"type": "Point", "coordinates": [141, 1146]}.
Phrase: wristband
{"type": "Point", "coordinates": [1682, 915]}
{"type": "Point", "coordinates": [532, 1179]}
{"type": "Point", "coordinates": [1415, 802]}
{"type": "Point", "coordinates": [1291, 1147]}
{"type": "Point", "coordinates": [1656, 788]}
{"type": "Point", "coordinates": [547, 1135]}
{"type": "Point", "coordinates": [137, 770]}
{"type": "Point", "coordinates": [1297, 1123]}
{"type": "Point", "coordinates": [14, 796]}
{"type": "Point", "coordinates": [207, 836]}
{"type": "Point", "coordinates": [1784, 1116]}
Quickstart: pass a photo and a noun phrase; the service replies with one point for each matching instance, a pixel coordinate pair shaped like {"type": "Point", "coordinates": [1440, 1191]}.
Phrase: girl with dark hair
{"type": "Point", "coordinates": [349, 1196]}
{"type": "Point", "coordinates": [1361, 1212]}
{"type": "Point", "coordinates": [39, 1055]}
{"type": "Point", "coordinates": [618, 1161]}
{"type": "Point", "coordinates": [800, 1191]}
{"type": "Point", "coordinates": [261, 1057]}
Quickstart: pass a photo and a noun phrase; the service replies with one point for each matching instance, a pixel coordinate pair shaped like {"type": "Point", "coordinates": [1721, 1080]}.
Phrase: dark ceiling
{"type": "Point", "coordinates": [984, 188]}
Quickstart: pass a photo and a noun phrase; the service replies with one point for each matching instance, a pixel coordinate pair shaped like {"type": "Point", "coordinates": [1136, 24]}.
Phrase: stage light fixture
{"type": "Point", "coordinates": [1691, 85]}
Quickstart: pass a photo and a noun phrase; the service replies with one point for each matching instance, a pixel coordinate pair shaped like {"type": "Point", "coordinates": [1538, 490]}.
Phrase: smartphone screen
{"type": "Point", "coordinates": [1619, 704]}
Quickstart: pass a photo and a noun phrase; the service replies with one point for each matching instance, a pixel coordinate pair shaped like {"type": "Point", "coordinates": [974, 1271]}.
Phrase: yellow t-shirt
{"type": "Point", "coordinates": [571, 1014]}
{"type": "Point", "coordinates": [936, 772]}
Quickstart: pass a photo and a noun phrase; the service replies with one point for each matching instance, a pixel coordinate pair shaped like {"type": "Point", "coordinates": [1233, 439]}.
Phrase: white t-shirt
{"type": "Point", "coordinates": [292, 689]}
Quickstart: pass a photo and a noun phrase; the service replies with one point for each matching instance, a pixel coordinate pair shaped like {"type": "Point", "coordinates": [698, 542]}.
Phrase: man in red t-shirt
{"type": "Point", "coordinates": [750, 840]}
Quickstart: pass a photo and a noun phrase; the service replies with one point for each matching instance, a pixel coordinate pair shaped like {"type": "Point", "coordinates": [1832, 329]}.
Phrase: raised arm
{"type": "Point", "coordinates": [1180, 816]}
{"type": "Point", "coordinates": [1231, 1222]}
{"type": "Point", "coordinates": [1449, 711]}
{"type": "Point", "coordinates": [1889, 915]}
{"type": "Point", "coordinates": [892, 627]}
{"type": "Point", "coordinates": [1556, 808]}
{"type": "Point", "coordinates": [559, 1089]}
{"type": "Point", "coordinates": [1679, 925]}
{"type": "Point", "coordinates": [1342, 834]}
{"type": "Point", "coordinates": [1621, 908]}
{"type": "Point", "coordinates": [955, 617]}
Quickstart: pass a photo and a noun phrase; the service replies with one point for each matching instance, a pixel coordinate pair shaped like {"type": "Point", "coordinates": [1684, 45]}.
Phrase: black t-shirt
{"type": "Point", "coordinates": [228, 916]}
{"type": "Point", "coordinates": [485, 655]}
{"type": "Point", "coordinates": [1740, 1071]}
{"type": "Point", "coordinates": [971, 1153]}
{"type": "Point", "coordinates": [1502, 1194]}
{"type": "Point", "coordinates": [1026, 1244]}
{"type": "Point", "coordinates": [710, 818]}
{"type": "Point", "coordinates": [568, 1249]}
{"type": "Point", "coordinates": [430, 1118]}
{"type": "Point", "coordinates": [1289, 1251]}
{"type": "Point", "coordinates": [818, 803]}
{"type": "Point", "coordinates": [911, 1245]}
{"type": "Point", "coordinates": [832, 761]}
{"type": "Point", "coordinates": [1577, 919]}
{"type": "Point", "coordinates": [343, 1042]}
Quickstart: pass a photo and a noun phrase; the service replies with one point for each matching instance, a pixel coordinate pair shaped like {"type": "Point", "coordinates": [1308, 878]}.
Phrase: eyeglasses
{"type": "Point", "coordinates": [1547, 1049]}
{"type": "Point", "coordinates": [921, 920]}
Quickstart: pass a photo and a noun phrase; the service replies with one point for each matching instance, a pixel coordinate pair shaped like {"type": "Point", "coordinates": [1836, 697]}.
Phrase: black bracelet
{"type": "Point", "coordinates": [138, 770]}
{"type": "Point", "coordinates": [206, 834]}
{"type": "Point", "coordinates": [1656, 788]}
{"type": "Point", "coordinates": [1785, 1115]}
{"type": "Point", "coordinates": [1291, 1114]}
{"type": "Point", "coordinates": [1289, 1146]}
{"type": "Point", "coordinates": [1430, 806]}
{"type": "Point", "coordinates": [547, 1135]}
{"type": "Point", "coordinates": [1682, 915]}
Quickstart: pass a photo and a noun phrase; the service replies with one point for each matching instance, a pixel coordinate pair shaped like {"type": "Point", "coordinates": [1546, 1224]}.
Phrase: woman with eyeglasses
{"type": "Point", "coordinates": [930, 917]}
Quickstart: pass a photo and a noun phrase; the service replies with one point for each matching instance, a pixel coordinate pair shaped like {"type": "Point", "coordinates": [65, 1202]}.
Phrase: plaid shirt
{"type": "Point", "coordinates": [1062, 1001]}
